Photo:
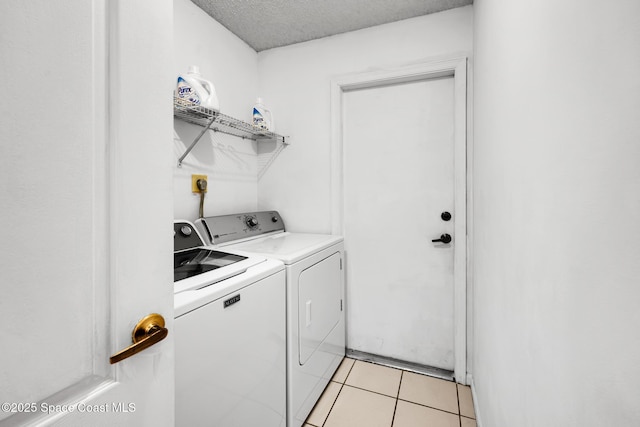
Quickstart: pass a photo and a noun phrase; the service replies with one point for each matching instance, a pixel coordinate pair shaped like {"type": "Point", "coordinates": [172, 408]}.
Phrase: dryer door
{"type": "Point", "coordinates": [319, 304]}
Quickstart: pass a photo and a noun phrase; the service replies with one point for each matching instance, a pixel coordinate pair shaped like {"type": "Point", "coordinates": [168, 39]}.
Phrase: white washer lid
{"type": "Point", "coordinates": [287, 247]}
{"type": "Point", "coordinates": [190, 299]}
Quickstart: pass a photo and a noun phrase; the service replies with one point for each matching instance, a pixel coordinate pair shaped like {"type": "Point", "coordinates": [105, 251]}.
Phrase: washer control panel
{"type": "Point", "coordinates": [225, 228]}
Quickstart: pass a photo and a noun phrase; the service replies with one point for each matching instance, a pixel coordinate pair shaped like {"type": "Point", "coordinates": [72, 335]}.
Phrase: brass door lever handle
{"type": "Point", "coordinates": [147, 332]}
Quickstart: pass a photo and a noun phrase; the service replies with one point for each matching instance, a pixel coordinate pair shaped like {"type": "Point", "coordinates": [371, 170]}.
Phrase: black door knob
{"type": "Point", "coordinates": [446, 216]}
{"type": "Point", "coordinates": [444, 238]}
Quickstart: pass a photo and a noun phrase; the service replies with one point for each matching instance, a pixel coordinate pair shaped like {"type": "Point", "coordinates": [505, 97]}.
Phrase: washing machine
{"type": "Point", "coordinates": [314, 292]}
{"type": "Point", "coordinates": [230, 335]}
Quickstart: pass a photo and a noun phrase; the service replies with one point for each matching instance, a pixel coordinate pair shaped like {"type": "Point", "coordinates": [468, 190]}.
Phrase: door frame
{"type": "Point", "coordinates": [455, 67]}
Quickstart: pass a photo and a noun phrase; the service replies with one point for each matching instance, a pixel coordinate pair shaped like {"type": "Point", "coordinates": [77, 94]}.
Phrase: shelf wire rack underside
{"type": "Point", "coordinates": [218, 122]}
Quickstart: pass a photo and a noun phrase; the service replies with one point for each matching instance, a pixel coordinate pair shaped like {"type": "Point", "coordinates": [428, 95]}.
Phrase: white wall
{"type": "Point", "coordinates": [557, 230]}
{"type": "Point", "coordinates": [229, 162]}
{"type": "Point", "coordinates": [295, 82]}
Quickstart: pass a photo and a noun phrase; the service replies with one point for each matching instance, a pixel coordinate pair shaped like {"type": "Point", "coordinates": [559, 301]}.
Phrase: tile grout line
{"type": "Point", "coordinates": [395, 408]}
{"type": "Point", "coordinates": [350, 369]}
{"type": "Point", "coordinates": [399, 385]}
{"type": "Point", "coordinates": [458, 399]}
{"type": "Point", "coordinates": [332, 405]}
{"type": "Point", "coordinates": [402, 371]}
{"type": "Point", "coordinates": [430, 407]}
{"type": "Point", "coordinates": [404, 400]}
{"type": "Point", "coordinates": [339, 391]}
{"type": "Point", "coordinates": [371, 391]}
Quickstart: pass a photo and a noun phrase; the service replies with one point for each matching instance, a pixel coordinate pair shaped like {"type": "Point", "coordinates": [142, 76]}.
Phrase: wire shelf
{"type": "Point", "coordinates": [213, 120]}
{"type": "Point", "coordinates": [218, 122]}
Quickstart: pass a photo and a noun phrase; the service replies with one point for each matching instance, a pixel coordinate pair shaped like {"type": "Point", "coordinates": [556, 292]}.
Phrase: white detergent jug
{"type": "Point", "coordinates": [193, 88]}
{"type": "Point", "coordinates": [262, 117]}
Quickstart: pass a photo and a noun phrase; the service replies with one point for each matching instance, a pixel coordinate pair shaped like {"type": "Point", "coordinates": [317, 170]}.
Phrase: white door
{"type": "Point", "coordinates": [85, 123]}
{"type": "Point", "coordinates": [398, 183]}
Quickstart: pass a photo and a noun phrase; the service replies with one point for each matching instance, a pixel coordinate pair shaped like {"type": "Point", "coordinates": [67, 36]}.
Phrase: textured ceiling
{"type": "Point", "coordinates": [265, 24]}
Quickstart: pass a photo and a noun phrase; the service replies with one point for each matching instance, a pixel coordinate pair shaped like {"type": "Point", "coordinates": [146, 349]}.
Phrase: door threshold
{"type": "Point", "coordinates": [401, 364]}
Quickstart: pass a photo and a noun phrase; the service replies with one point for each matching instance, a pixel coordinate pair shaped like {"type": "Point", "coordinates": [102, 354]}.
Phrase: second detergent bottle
{"type": "Point", "coordinates": [262, 117]}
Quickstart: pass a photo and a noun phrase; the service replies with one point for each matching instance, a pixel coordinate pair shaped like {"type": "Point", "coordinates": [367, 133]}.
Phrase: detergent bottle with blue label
{"type": "Point", "coordinates": [262, 117]}
{"type": "Point", "coordinates": [195, 90]}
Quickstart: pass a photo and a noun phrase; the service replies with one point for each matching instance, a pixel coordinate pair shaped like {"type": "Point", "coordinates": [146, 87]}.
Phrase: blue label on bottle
{"type": "Point", "coordinates": [258, 120]}
{"type": "Point", "coordinates": [186, 92]}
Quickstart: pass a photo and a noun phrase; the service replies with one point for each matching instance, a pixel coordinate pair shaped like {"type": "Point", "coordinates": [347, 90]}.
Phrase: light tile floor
{"type": "Point", "coordinates": [362, 394]}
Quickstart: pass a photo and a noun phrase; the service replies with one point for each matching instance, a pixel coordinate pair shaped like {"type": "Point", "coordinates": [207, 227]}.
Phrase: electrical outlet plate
{"type": "Point", "coordinates": [194, 183]}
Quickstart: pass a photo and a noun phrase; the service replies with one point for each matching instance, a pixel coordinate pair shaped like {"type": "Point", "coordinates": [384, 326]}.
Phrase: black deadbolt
{"type": "Point", "coordinates": [446, 216]}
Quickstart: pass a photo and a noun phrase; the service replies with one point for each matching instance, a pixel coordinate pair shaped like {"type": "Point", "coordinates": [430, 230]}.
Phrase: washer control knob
{"type": "Point", "coordinates": [251, 222]}
{"type": "Point", "coordinates": [274, 219]}
{"type": "Point", "coordinates": [186, 230]}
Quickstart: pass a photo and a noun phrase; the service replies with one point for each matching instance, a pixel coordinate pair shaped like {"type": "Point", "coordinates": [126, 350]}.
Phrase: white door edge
{"type": "Point", "coordinates": [455, 67]}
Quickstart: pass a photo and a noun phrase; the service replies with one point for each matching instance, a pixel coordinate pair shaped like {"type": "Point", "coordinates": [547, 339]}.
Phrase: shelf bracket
{"type": "Point", "coordinates": [195, 141]}
{"type": "Point", "coordinates": [279, 147]}
{"type": "Point", "coordinates": [228, 125]}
